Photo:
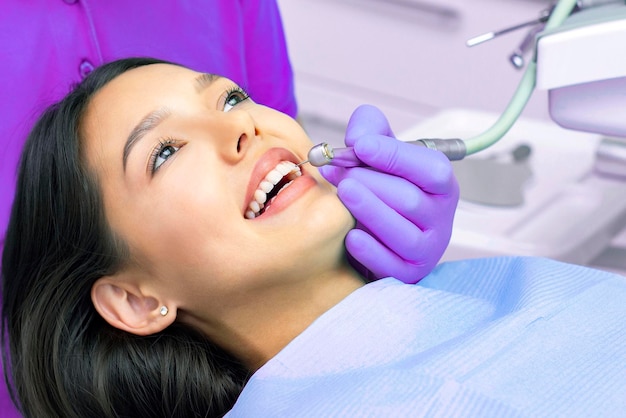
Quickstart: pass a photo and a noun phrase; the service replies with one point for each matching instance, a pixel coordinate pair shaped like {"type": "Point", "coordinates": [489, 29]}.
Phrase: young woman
{"type": "Point", "coordinates": [240, 39]}
{"type": "Point", "coordinates": [157, 266]}
{"type": "Point", "coordinates": [173, 253]}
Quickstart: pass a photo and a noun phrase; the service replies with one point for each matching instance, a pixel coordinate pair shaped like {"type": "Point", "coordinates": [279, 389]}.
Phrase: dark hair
{"type": "Point", "coordinates": [65, 360]}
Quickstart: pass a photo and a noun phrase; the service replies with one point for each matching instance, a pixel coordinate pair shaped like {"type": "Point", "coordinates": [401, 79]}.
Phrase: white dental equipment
{"type": "Point", "coordinates": [573, 206]}
{"type": "Point", "coordinates": [573, 60]}
{"type": "Point", "coordinates": [571, 210]}
{"type": "Point", "coordinates": [583, 66]}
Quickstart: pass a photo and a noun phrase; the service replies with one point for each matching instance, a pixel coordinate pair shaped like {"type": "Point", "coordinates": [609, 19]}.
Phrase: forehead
{"type": "Point", "coordinates": [114, 110]}
{"type": "Point", "coordinates": [143, 84]}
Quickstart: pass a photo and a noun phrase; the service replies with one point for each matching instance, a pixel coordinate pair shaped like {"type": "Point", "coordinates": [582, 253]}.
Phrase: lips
{"type": "Point", "coordinates": [274, 172]}
{"type": "Point", "coordinates": [270, 187]}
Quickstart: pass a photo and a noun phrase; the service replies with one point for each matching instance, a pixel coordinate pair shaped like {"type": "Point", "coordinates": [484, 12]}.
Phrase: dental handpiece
{"type": "Point", "coordinates": [324, 154]}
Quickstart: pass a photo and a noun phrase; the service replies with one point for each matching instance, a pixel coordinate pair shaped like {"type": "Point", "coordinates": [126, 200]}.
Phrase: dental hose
{"type": "Point", "coordinates": [524, 90]}
{"type": "Point", "coordinates": [457, 149]}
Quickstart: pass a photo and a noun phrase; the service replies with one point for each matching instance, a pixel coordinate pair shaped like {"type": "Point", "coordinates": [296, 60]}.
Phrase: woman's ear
{"type": "Point", "coordinates": [123, 305]}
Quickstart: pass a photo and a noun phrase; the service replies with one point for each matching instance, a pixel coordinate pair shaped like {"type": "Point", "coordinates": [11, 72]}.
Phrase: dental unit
{"type": "Point", "coordinates": [571, 59]}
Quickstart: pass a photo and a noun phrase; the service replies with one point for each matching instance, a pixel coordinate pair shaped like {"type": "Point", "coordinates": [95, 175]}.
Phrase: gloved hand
{"type": "Point", "coordinates": [404, 208]}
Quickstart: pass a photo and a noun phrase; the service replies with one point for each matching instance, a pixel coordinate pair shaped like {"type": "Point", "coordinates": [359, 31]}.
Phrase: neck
{"type": "Point", "coordinates": [257, 331]}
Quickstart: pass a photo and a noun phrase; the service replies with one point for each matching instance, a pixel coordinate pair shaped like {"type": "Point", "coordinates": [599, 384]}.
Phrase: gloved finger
{"type": "Point", "coordinates": [381, 261]}
{"type": "Point", "coordinates": [430, 170]}
{"type": "Point", "coordinates": [410, 201]}
{"type": "Point", "coordinates": [333, 174]}
{"type": "Point", "coordinates": [392, 229]}
{"type": "Point", "coordinates": [366, 119]}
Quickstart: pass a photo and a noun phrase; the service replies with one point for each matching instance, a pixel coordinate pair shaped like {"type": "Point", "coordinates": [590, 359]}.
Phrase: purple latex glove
{"type": "Point", "coordinates": [404, 207]}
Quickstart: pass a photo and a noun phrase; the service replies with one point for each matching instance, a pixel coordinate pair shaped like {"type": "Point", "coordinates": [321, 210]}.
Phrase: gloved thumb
{"type": "Point", "coordinates": [366, 119]}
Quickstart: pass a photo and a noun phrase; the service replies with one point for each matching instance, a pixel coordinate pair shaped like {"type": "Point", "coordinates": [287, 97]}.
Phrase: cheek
{"type": "Point", "coordinates": [185, 216]}
{"type": "Point", "coordinates": [280, 125]}
{"type": "Point", "coordinates": [176, 224]}
{"type": "Point", "coordinates": [186, 242]}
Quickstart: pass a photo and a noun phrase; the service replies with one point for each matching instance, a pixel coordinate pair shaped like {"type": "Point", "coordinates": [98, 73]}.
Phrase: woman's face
{"type": "Point", "coordinates": [185, 162]}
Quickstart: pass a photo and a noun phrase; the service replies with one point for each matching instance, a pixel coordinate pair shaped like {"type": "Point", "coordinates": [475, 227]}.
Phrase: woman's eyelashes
{"type": "Point", "coordinates": [233, 97]}
{"type": "Point", "coordinates": [164, 150]}
{"type": "Point", "coordinates": [168, 147]}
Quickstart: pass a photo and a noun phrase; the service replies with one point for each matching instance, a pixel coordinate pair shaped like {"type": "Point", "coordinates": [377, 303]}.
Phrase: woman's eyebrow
{"type": "Point", "coordinates": [204, 80]}
{"type": "Point", "coordinates": [148, 123]}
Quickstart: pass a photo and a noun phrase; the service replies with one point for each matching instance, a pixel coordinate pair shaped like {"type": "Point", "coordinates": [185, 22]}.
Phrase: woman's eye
{"type": "Point", "coordinates": [234, 97]}
{"type": "Point", "coordinates": [161, 155]}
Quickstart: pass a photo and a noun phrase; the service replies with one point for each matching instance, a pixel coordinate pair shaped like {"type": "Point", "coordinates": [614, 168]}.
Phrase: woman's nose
{"type": "Point", "coordinates": [236, 129]}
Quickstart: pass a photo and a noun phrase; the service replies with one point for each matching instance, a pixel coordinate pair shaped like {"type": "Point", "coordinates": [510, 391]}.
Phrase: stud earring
{"type": "Point", "coordinates": [163, 311]}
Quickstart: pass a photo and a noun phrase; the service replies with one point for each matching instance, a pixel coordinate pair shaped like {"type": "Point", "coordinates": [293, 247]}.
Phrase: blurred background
{"type": "Point", "coordinates": [410, 58]}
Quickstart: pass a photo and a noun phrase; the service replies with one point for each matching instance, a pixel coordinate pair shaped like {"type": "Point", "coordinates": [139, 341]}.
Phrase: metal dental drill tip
{"type": "Point", "coordinates": [319, 155]}
{"type": "Point", "coordinates": [494, 34]}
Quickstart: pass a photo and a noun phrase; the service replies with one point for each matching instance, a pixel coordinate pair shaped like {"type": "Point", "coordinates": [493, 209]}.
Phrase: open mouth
{"type": "Point", "coordinates": [277, 180]}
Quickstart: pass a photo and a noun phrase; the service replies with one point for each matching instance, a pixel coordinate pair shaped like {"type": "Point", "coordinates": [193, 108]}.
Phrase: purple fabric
{"type": "Point", "coordinates": [48, 45]}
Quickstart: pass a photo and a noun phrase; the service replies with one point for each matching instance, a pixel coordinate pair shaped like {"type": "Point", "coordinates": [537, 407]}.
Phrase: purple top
{"type": "Point", "coordinates": [48, 45]}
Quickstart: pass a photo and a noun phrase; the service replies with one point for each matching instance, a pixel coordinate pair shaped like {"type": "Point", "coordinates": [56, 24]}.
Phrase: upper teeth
{"type": "Point", "coordinates": [282, 169]}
